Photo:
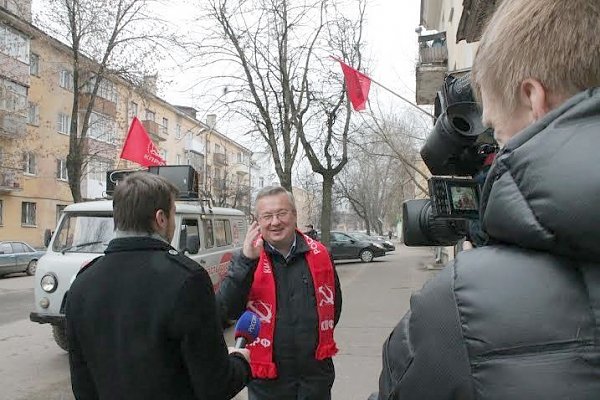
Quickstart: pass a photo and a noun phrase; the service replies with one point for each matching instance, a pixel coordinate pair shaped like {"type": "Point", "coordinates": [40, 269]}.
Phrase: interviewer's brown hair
{"type": "Point", "coordinates": [137, 199]}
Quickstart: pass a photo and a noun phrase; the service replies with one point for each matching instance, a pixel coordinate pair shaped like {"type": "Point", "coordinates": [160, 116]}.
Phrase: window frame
{"type": "Point", "coordinates": [61, 169]}
{"type": "Point", "coordinates": [29, 163]}
{"type": "Point", "coordinates": [34, 64]}
{"type": "Point", "coordinates": [26, 208]}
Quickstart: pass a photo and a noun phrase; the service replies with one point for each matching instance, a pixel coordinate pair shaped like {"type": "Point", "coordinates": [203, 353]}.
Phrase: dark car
{"type": "Point", "coordinates": [389, 246]}
{"type": "Point", "coordinates": [18, 257]}
{"type": "Point", "coordinates": [345, 247]}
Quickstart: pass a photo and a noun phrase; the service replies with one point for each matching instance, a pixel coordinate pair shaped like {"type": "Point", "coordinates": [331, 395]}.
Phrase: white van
{"type": "Point", "coordinates": [207, 235]}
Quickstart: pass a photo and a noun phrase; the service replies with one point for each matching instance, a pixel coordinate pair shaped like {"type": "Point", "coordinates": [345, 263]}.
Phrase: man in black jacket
{"type": "Point", "coordinates": [519, 318]}
{"type": "Point", "coordinates": [289, 280]}
{"type": "Point", "coordinates": [141, 320]}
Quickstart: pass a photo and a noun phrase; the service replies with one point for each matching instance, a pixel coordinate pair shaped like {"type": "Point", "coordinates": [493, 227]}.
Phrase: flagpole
{"type": "Point", "coordinates": [384, 87]}
{"type": "Point", "coordinates": [406, 100]}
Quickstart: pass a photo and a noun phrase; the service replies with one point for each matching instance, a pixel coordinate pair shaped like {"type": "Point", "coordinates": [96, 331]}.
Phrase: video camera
{"type": "Point", "coordinates": [457, 153]}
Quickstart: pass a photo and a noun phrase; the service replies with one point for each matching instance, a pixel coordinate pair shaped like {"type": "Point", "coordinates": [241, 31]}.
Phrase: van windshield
{"type": "Point", "coordinates": [84, 233]}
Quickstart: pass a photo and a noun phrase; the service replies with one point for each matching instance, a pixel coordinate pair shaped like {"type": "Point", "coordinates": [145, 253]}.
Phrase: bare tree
{"type": "Point", "coordinates": [283, 84]}
{"type": "Point", "coordinates": [108, 40]}
{"type": "Point", "coordinates": [327, 150]}
{"type": "Point", "coordinates": [383, 171]}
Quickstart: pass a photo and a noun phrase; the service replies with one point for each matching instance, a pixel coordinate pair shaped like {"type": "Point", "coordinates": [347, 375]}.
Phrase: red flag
{"type": "Point", "coordinates": [139, 148]}
{"type": "Point", "coordinates": [357, 86]}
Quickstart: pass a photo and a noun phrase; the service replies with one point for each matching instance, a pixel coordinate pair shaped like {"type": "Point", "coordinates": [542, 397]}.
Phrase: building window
{"type": "Point", "coordinates": [240, 157]}
{"type": "Point", "coordinates": [261, 182]}
{"type": "Point", "coordinates": [165, 126]}
{"type": "Point", "coordinates": [150, 116]}
{"type": "Point", "coordinates": [61, 170]}
{"type": "Point", "coordinates": [29, 164]}
{"type": "Point", "coordinates": [97, 168]}
{"type": "Point", "coordinates": [34, 64]}
{"type": "Point", "coordinates": [133, 110]}
{"type": "Point", "coordinates": [1, 212]}
{"type": "Point", "coordinates": [59, 210]}
{"type": "Point", "coordinates": [33, 118]}
{"type": "Point", "coordinates": [106, 90]}
{"type": "Point", "coordinates": [178, 131]}
{"type": "Point", "coordinates": [28, 213]}
{"type": "Point", "coordinates": [63, 123]}
{"type": "Point", "coordinates": [163, 154]}
{"type": "Point", "coordinates": [102, 127]}
{"type": "Point", "coordinates": [65, 79]}
{"type": "Point", "coordinates": [178, 159]}
{"type": "Point", "coordinates": [217, 149]}
{"type": "Point", "coordinates": [14, 44]}
{"type": "Point", "coordinates": [13, 97]}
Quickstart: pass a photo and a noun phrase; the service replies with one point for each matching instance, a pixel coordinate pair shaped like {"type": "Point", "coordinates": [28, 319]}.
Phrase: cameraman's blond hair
{"type": "Point", "coordinates": [554, 41]}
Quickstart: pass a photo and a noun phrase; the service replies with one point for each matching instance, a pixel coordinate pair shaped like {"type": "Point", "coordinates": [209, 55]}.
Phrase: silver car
{"type": "Point", "coordinates": [18, 256]}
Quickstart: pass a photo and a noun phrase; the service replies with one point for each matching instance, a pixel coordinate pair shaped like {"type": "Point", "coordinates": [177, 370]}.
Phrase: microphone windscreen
{"type": "Point", "coordinates": [247, 326]}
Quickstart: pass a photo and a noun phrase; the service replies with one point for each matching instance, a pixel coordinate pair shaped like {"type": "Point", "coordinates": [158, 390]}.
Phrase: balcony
{"type": "Point", "coordinates": [195, 145]}
{"type": "Point", "coordinates": [219, 159]}
{"type": "Point", "coordinates": [15, 70]}
{"type": "Point", "coordinates": [12, 125]}
{"type": "Point", "coordinates": [101, 105]}
{"type": "Point", "coordinates": [11, 180]}
{"type": "Point", "coordinates": [432, 66]}
{"type": "Point", "coordinates": [153, 130]}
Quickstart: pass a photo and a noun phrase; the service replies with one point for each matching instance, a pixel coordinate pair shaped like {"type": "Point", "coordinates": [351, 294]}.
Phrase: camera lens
{"type": "Point", "coordinates": [461, 124]}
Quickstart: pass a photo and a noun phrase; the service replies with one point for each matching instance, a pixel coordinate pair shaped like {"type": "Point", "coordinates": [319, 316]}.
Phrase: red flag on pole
{"type": "Point", "coordinates": [357, 86]}
{"type": "Point", "coordinates": [139, 148]}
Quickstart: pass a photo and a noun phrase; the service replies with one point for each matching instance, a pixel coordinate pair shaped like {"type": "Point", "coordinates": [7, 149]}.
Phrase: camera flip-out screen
{"type": "Point", "coordinates": [454, 197]}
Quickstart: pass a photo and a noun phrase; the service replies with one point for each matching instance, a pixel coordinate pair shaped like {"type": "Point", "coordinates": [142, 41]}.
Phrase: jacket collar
{"type": "Point", "coordinates": [133, 243]}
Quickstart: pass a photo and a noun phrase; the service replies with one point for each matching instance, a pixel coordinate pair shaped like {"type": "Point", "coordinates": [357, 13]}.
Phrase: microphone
{"type": "Point", "coordinates": [246, 329]}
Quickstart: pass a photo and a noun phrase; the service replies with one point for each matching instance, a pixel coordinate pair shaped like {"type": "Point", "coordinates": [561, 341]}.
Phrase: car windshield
{"type": "Point", "coordinates": [84, 233]}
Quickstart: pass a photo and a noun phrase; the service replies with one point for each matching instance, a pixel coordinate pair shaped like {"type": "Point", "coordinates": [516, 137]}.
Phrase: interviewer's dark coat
{"type": "Point", "coordinates": [296, 329]}
{"type": "Point", "coordinates": [141, 324]}
{"type": "Point", "coordinates": [518, 319]}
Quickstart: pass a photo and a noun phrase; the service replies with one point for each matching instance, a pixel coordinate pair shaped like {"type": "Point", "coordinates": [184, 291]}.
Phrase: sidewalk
{"type": "Point", "coordinates": [374, 302]}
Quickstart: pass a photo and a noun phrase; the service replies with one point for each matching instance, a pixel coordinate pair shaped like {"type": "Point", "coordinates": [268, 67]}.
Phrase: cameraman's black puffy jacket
{"type": "Point", "coordinates": [519, 319]}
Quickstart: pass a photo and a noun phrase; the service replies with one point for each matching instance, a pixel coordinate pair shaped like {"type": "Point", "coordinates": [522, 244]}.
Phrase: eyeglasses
{"type": "Point", "coordinates": [281, 214]}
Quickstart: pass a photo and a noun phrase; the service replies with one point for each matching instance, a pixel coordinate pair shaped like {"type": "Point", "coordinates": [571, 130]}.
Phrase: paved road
{"type": "Point", "coordinates": [376, 295]}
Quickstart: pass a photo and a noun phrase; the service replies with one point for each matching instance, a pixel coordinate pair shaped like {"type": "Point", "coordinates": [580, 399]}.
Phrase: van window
{"type": "Point", "coordinates": [189, 236]}
{"type": "Point", "coordinates": [222, 232]}
{"type": "Point", "coordinates": [209, 241]}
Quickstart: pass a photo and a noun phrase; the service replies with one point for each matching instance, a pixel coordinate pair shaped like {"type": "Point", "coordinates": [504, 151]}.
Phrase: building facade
{"type": "Point", "coordinates": [442, 50]}
{"type": "Point", "coordinates": [36, 101]}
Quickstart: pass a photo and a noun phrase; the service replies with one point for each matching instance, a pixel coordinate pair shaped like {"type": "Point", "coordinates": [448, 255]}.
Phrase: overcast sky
{"type": "Point", "coordinates": [391, 47]}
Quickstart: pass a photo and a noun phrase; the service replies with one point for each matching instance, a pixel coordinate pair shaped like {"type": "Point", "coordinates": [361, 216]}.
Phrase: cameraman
{"type": "Point", "coordinates": [520, 317]}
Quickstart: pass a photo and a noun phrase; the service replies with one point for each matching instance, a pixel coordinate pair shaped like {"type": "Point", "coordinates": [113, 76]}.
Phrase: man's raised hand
{"type": "Point", "coordinates": [253, 242]}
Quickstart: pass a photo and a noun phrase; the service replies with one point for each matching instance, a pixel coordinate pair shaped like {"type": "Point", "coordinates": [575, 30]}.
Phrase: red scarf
{"type": "Point", "coordinates": [262, 300]}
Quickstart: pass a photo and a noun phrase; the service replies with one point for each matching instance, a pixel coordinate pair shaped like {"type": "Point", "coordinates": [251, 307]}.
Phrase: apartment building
{"type": "Point", "coordinates": [227, 169]}
{"type": "Point", "coordinates": [442, 51]}
{"type": "Point", "coordinates": [36, 100]}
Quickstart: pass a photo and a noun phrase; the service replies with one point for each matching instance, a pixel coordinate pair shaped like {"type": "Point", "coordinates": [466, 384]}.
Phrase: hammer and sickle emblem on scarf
{"type": "Point", "coordinates": [262, 309]}
{"type": "Point", "coordinates": [327, 295]}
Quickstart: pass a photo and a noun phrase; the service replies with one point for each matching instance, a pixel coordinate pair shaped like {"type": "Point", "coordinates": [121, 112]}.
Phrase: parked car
{"type": "Point", "coordinates": [389, 246]}
{"type": "Point", "coordinates": [345, 247]}
{"type": "Point", "coordinates": [18, 256]}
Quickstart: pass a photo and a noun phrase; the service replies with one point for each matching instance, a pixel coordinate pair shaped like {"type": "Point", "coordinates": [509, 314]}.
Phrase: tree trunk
{"type": "Point", "coordinates": [75, 158]}
{"type": "Point", "coordinates": [326, 208]}
{"type": "Point", "coordinates": [285, 179]}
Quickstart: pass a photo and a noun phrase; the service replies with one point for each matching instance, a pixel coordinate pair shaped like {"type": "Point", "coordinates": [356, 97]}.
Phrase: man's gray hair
{"type": "Point", "coordinates": [273, 191]}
